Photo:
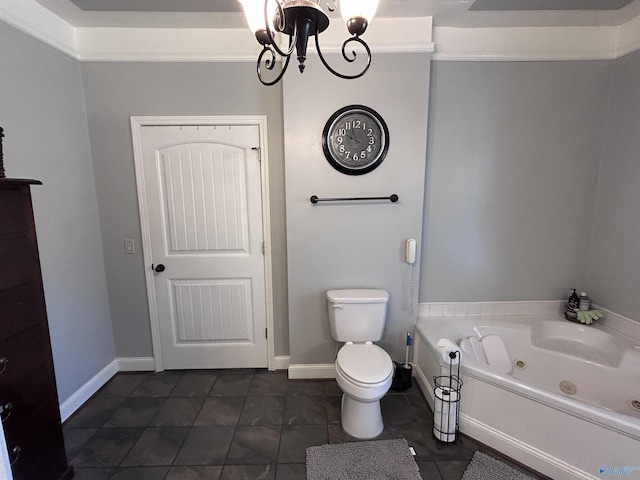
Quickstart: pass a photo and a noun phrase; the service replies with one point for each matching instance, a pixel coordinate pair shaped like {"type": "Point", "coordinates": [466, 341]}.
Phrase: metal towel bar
{"type": "Point", "coordinates": [315, 199]}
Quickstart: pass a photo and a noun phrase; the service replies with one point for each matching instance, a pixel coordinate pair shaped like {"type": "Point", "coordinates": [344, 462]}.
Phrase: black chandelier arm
{"type": "Point", "coordinates": [270, 63]}
{"type": "Point", "coordinates": [279, 27]}
{"type": "Point", "coordinates": [346, 57]}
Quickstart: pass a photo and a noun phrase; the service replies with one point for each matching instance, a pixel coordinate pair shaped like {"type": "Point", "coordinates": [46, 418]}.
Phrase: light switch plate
{"type": "Point", "coordinates": [129, 245]}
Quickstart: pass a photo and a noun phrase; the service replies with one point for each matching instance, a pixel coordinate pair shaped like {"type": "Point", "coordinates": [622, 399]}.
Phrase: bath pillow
{"type": "Point", "coordinates": [497, 354]}
{"type": "Point", "coordinates": [472, 348]}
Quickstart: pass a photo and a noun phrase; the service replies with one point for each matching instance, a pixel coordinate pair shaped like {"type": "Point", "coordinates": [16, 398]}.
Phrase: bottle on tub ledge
{"type": "Point", "coordinates": [579, 309]}
{"type": "Point", "coordinates": [584, 302]}
{"type": "Point", "coordinates": [571, 309]}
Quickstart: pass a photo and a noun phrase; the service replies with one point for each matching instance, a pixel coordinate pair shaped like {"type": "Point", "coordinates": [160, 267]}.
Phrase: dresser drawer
{"type": "Point", "coordinates": [19, 309]}
{"type": "Point", "coordinates": [31, 397]}
{"type": "Point", "coordinates": [11, 212]}
{"type": "Point", "coordinates": [37, 451]}
{"type": "Point", "coordinates": [15, 261]}
{"type": "Point", "coordinates": [21, 354]}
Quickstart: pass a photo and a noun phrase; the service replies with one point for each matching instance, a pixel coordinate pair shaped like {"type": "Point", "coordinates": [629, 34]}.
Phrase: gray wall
{"type": "Point", "coordinates": [514, 151]}
{"type": "Point", "coordinates": [43, 113]}
{"type": "Point", "coordinates": [116, 91]}
{"type": "Point", "coordinates": [352, 245]}
{"type": "Point", "coordinates": [613, 278]}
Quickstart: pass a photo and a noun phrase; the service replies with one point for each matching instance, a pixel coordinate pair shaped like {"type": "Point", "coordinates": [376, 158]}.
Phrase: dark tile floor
{"type": "Point", "coordinates": [234, 425]}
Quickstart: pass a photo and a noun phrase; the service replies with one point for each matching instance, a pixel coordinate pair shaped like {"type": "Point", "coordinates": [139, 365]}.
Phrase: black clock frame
{"type": "Point", "coordinates": [326, 135]}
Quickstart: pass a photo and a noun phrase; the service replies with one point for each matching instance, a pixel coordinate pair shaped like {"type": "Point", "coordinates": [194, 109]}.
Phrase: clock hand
{"type": "Point", "coordinates": [354, 138]}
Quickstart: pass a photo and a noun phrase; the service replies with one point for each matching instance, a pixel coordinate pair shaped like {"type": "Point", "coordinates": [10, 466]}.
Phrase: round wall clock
{"type": "Point", "coordinates": [355, 140]}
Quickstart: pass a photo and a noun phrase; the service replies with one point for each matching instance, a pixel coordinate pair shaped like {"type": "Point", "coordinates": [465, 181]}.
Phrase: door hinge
{"type": "Point", "coordinates": [257, 149]}
{"type": "Point", "coordinates": [266, 333]}
{"type": "Point", "coordinates": [263, 250]}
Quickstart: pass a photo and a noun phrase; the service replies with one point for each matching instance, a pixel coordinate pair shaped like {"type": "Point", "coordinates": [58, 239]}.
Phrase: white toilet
{"type": "Point", "coordinates": [364, 371]}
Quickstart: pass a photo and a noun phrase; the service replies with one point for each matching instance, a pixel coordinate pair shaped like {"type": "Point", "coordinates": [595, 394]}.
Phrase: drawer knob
{"type": "Point", "coordinates": [3, 364]}
{"type": "Point", "coordinates": [5, 411]}
{"type": "Point", "coordinates": [14, 454]}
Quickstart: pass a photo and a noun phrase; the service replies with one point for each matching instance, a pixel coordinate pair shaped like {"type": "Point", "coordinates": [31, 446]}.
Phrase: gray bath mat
{"type": "Point", "coordinates": [484, 467]}
{"type": "Point", "coordinates": [373, 460]}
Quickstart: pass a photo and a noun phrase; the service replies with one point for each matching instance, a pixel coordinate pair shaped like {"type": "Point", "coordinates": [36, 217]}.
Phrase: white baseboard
{"type": "Point", "coordinates": [322, 370]}
{"type": "Point", "coordinates": [84, 393]}
{"type": "Point", "coordinates": [281, 362]}
{"type": "Point", "coordinates": [136, 364]}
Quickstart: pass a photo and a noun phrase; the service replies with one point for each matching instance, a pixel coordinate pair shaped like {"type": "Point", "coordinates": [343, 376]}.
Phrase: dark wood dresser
{"type": "Point", "coordinates": [28, 396]}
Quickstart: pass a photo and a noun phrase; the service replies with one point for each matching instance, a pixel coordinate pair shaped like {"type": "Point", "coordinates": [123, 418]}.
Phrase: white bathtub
{"type": "Point", "coordinates": [525, 414]}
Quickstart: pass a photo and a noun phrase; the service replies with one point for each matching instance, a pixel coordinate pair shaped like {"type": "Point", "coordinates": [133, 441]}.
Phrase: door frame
{"type": "Point", "coordinates": [137, 122]}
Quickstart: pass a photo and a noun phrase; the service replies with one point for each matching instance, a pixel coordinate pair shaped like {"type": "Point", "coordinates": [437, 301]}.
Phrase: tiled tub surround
{"type": "Point", "coordinates": [548, 431]}
{"type": "Point", "coordinates": [620, 323]}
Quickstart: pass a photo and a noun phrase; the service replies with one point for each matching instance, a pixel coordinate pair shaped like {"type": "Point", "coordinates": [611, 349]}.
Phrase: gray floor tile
{"type": "Point", "coordinates": [306, 387]}
{"type": "Point", "coordinates": [331, 388]}
{"type": "Point", "coordinates": [107, 448]}
{"type": "Point", "coordinates": [93, 473]}
{"type": "Point", "coordinates": [236, 424]}
{"type": "Point", "coordinates": [334, 406]}
{"type": "Point", "coordinates": [122, 385]}
{"type": "Point", "coordinates": [305, 410]}
{"type": "Point", "coordinates": [159, 385]}
{"type": "Point", "coordinates": [177, 412]}
{"type": "Point", "coordinates": [248, 472]}
{"type": "Point", "coordinates": [452, 469]}
{"type": "Point", "coordinates": [338, 435]}
{"type": "Point", "coordinates": [196, 385]}
{"type": "Point", "coordinates": [94, 413]}
{"type": "Point", "coordinates": [232, 385]}
{"type": "Point", "coordinates": [156, 446]}
{"type": "Point", "coordinates": [205, 446]}
{"type": "Point", "coordinates": [263, 411]}
{"type": "Point", "coordinates": [75, 438]}
{"type": "Point", "coordinates": [220, 411]}
{"type": "Point", "coordinates": [147, 473]}
{"type": "Point", "coordinates": [291, 471]}
{"type": "Point", "coordinates": [135, 412]}
{"type": "Point", "coordinates": [254, 445]}
{"type": "Point", "coordinates": [295, 439]}
{"type": "Point", "coordinates": [195, 473]}
{"type": "Point", "coordinates": [429, 471]}
{"type": "Point", "coordinates": [269, 384]}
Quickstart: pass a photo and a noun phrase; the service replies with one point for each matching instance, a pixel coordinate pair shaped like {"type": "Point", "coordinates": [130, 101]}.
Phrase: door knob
{"type": "Point", "coordinates": [158, 268]}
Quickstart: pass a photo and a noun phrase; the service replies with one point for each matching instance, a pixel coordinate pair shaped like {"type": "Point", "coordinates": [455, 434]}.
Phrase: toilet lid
{"type": "Point", "coordinates": [365, 363]}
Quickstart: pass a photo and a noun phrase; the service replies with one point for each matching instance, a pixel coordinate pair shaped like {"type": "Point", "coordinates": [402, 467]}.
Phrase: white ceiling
{"type": "Point", "coordinates": [454, 13]}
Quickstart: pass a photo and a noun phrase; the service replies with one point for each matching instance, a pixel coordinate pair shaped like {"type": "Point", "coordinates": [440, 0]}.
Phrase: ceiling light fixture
{"type": "Point", "coordinates": [300, 19]}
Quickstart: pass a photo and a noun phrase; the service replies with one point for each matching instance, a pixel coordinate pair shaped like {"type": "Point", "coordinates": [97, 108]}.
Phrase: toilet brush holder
{"type": "Point", "coordinates": [401, 377]}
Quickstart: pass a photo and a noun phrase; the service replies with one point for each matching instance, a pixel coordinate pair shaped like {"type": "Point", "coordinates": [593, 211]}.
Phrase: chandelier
{"type": "Point", "coordinates": [300, 19]}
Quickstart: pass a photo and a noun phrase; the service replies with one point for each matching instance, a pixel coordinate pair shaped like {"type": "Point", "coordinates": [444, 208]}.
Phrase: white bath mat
{"type": "Point", "coordinates": [373, 460]}
{"type": "Point", "coordinates": [484, 467]}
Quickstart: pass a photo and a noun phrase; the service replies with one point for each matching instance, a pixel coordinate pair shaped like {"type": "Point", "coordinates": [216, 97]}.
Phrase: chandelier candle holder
{"type": "Point", "coordinates": [301, 19]}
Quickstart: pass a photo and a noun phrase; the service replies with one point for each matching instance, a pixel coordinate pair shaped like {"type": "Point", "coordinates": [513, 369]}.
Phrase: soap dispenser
{"type": "Point", "coordinates": [572, 306]}
{"type": "Point", "coordinates": [574, 301]}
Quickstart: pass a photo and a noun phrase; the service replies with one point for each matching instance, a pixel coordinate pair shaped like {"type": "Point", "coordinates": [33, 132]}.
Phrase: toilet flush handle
{"type": "Point", "coordinates": [337, 306]}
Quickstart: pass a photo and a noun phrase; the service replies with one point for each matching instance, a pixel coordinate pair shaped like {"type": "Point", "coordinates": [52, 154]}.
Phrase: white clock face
{"type": "Point", "coordinates": [355, 140]}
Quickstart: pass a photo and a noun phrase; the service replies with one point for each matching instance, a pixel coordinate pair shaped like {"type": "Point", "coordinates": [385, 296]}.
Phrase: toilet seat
{"type": "Point", "coordinates": [363, 364]}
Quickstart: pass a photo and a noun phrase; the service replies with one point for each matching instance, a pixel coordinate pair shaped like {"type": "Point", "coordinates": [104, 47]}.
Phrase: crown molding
{"type": "Point", "coordinates": [386, 35]}
{"type": "Point", "coordinates": [33, 19]}
{"type": "Point", "coordinates": [166, 45]}
{"type": "Point", "coordinates": [628, 37]}
{"type": "Point", "coordinates": [525, 43]}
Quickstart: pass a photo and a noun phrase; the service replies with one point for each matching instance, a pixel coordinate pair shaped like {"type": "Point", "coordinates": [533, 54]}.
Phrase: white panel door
{"type": "Point", "coordinates": [204, 204]}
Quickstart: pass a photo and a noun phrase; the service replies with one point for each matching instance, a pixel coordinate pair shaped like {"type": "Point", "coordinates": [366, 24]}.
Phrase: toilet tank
{"type": "Point", "coordinates": [357, 315]}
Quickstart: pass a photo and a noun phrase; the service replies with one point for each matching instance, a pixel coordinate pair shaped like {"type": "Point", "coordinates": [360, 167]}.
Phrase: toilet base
{"type": "Point", "coordinates": [361, 420]}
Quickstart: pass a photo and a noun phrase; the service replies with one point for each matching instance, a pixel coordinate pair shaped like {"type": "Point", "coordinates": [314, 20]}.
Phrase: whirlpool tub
{"type": "Point", "coordinates": [568, 405]}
